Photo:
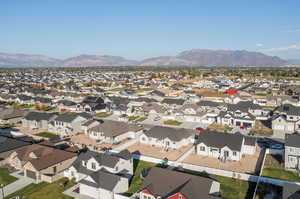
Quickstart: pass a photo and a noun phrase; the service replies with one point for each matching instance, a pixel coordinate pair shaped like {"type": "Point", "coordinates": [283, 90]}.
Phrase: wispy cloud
{"type": "Point", "coordinates": [259, 45]}
{"type": "Point", "coordinates": [295, 30]}
{"type": "Point", "coordinates": [284, 48]}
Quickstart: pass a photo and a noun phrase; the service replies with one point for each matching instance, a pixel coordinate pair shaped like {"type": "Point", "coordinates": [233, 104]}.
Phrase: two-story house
{"type": "Point", "coordinates": [37, 120]}
{"type": "Point", "coordinates": [292, 151]}
{"type": "Point", "coordinates": [101, 175]}
{"type": "Point", "coordinates": [286, 118]}
{"type": "Point", "coordinates": [68, 124]}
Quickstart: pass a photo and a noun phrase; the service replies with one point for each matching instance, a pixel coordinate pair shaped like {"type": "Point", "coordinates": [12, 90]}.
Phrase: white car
{"type": "Point", "coordinates": [157, 118]}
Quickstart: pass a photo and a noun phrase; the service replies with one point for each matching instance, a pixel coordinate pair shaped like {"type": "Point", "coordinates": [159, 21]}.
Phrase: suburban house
{"type": "Point", "coordinates": [42, 163]}
{"type": "Point", "coordinates": [153, 109]}
{"type": "Point", "coordinates": [101, 175]}
{"type": "Point", "coordinates": [168, 184]}
{"type": "Point", "coordinates": [167, 137]}
{"type": "Point", "coordinates": [35, 120]}
{"type": "Point", "coordinates": [286, 118]}
{"type": "Point", "coordinates": [119, 106]}
{"type": "Point", "coordinates": [24, 99]}
{"type": "Point", "coordinates": [68, 124]}
{"type": "Point", "coordinates": [8, 145]}
{"type": "Point", "coordinates": [244, 113]}
{"type": "Point", "coordinates": [92, 104]}
{"type": "Point", "coordinates": [172, 103]}
{"type": "Point", "coordinates": [11, 116]}
{"type": "Point", "coordinates": [224, 146]}
{"type": "Point", "coordinates": [114, 131]}
{"type": "Point", "coordinates": [66, 105]}
{"type": "Point", "coordinates": [292, 151]}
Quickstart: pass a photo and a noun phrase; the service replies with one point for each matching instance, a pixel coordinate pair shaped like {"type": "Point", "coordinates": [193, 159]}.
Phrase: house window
{"type": "Point", "coordinates": [95, 134]}
{"type": "Point", "coordinates": [291, 150]}
{"type": "Point", "coordinates": [94, 165]}
{"type": "Point", "coordinates": [202, 148]}
{"type": "Point", "coordinates": [234, 153]}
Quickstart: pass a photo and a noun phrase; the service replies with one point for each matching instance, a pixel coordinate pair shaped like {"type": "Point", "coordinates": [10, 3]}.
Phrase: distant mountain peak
{"type": "Point", "coordinates": [193, 57]}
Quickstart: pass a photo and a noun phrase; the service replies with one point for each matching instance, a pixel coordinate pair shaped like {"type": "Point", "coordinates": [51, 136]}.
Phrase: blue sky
{"type": "Point", "coordinates": [138, 29]}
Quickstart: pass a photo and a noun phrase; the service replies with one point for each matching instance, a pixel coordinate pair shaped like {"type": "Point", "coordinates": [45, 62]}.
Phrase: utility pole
{"type": "Point", "coordinates": [2, 190]}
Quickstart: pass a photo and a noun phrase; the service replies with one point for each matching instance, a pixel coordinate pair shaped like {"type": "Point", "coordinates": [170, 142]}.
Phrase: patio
{"type": "Point", "coordinates": [156, 152]}
{"type": "Point", "coordinates": [249, 163]}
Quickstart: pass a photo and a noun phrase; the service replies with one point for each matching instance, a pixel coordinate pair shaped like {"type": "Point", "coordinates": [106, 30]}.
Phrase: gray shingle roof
{"type": "Point", "coordinates": [292, 140]}
{"type": "Point", "coordinates": [174, 134]}
{"type": "Point", "coordinates": [220, 140]}
{"type": "Point", "coordinates": [8, 144]}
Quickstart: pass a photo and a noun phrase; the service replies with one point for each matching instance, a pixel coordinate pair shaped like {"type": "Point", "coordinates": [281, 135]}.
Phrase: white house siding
{"type": "Point", "coordinates": [164, 143]}
{"type": "Point", "coordinates": [218, 153]}
{"type": "Point", "coordinates": [249, 149]}
{"type": "Point", "coordinates": [121, 186]}
{"type": "Point", "coordinates": [89, 191]}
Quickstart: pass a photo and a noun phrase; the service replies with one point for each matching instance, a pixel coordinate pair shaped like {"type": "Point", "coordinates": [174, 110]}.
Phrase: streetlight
{"type": "Point", "coordinates": [2, 188]}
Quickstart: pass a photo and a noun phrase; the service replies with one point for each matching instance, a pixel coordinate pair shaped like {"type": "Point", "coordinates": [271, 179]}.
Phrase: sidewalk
{"type": "Point", "coordinates": [17, 185]}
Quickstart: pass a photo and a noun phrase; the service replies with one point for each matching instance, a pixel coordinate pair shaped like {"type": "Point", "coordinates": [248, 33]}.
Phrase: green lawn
{"type": "Point", "coordinates": [5, 178]}
{"type": "Point", "coordinates": [172, 122]}
{"type": "Point", "coordinates": [46, 135]}
{"type": "Point", "coordinates": [137, 181]}
{"type": "Point", "coordinates": [281, 174]}
{"type": "Point", "coordinates": [141, 119]}
{"type": "Point", "coordinates": [131, 118]}
{"type": "Point", "coordinates": [44, 190]}
{"type": "Point", "coordinates": [6, 126]}
{"type": "Point", "coordinates": [102, 115]}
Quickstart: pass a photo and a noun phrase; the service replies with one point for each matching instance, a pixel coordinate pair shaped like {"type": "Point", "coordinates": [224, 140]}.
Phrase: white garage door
{"type": "Point", "coordinates": [88, 190]}
{"type": "Point", "coordinates": [279, 127]}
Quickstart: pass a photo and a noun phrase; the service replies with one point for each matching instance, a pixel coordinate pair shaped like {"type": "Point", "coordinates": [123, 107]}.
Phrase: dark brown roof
{"type": "Point", "coordinates": [164, 183]}
{"type": "Point", "coordinates": [45, 156]}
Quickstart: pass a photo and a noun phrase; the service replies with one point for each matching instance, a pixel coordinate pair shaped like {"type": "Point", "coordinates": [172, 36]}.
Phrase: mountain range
{"type": "Point", "coordinates": [195, 57]}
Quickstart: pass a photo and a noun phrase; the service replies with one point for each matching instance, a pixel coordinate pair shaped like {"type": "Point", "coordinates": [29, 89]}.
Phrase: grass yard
{"type": "Point", "coordinates": [274, 168]}
{"type": "Point", "coordinates": [46, 135]}
{"type": "Point", "coordinates": [6, 126]}
{"type": "Point", "coordinates": [132, 118]}
{"type": "Point", "coordinates": [281, 174]}
{"type": "Point", "coordinates": [102, 115]}
{"type": "Point", "coordinates": [172, 122]}
{"type": "Point", "coordinates": [44, 190]}
{"type": "Point", "coordinates": [141, 119]}
{"type": "Point", "coordinates": [5, 177]}
{"type": "Point", "coordinates": [137, 181]}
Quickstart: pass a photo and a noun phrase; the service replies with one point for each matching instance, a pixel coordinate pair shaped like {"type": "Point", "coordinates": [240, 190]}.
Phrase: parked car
{"type": "Point", "coordinates": [276, 146]}
{"type": "Point", "coordinates": [199, 129]}
{"type": "Point", "coordinates": [157, 118]}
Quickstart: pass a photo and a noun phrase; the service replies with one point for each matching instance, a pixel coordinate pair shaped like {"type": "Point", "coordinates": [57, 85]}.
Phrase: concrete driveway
{"type": "Point", "coordinates": [17, 185]}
